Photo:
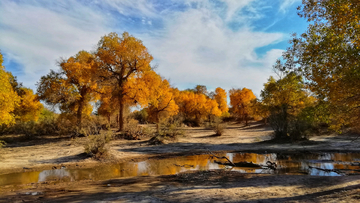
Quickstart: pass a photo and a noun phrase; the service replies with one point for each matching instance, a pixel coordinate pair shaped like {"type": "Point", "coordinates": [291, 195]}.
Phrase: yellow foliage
{"type": "Point", "coordinates": [240, 100]}
{"type": "Point", "coordinates": [8, 98]}
{"type": "Point", "coordinates": [30, 107]}
{"type": "Point", "coordinates": [196, 106]}
{"type": "Point", "coordinates": [73, 87]}
{"type": "Point", "coordinates": [124, 65]}
{"type": "Point", "coordinates": [162, 104]}
{"type": "Point", "coordinates": [221, 99]}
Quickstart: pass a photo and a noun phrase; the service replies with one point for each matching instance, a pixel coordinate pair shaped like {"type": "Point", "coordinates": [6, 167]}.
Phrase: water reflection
{"type": "Point", "coordinates": [325, 164]}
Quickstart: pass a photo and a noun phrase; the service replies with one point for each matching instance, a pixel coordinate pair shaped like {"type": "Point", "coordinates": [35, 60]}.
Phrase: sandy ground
{"type": "Point", "coordinates": [202, 186]}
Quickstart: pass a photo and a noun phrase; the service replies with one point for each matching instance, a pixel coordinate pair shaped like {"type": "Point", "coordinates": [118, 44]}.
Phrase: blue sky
{"type": "Point", "coordinates": [217, 43]}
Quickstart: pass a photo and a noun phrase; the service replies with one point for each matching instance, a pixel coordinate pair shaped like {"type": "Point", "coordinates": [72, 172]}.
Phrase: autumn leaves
{"type": "Point", "coordinates": [16, 101]}
{"type": "Point", "coordinates": [118, 75]}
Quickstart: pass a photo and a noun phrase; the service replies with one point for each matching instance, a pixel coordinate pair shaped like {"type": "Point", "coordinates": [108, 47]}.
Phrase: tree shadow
{"type": "Point", "coordinates": [208, 136]}
{"type": "Point", "coordinates": [25, 141]}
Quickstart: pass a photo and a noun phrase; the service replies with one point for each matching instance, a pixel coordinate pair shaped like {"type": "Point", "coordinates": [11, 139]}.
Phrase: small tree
{"type": "Point", "coordinates": [240, 100]}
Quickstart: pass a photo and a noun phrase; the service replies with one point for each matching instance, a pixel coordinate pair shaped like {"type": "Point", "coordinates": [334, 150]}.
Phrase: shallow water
{"type": "Point", "coordinates": [336, 164]}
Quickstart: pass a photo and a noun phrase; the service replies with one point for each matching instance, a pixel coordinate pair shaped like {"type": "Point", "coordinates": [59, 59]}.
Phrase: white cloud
{"type": "Point", "coordinates": [286, 4]}
{"type": "Point", "coordinates": [193, 46]}
{"type": "Point", "coordinates": [35, 36]}
{"type": "Point", "coordinates": [130, 7]}
{"type": "Point", "coordinates": [198, 47]}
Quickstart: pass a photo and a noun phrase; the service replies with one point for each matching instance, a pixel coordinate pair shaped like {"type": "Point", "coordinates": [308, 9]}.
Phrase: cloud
{"type": "Point", "coordinates": [193, 41]}
{"type": "Point", "coordinates": [287, 4]}
{"type": "Point", "coordinates": [35, 35]}
{"type": "Point", "coordinates": [198, 47]}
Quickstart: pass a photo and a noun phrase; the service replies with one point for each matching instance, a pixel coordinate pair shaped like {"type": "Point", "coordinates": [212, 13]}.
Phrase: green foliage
{"type": "Point", "coordinates": [327, 55]}
{"type": "Point", "coordinates": [285, 99]}
{"type": "Point", "coordinates": [95, 145]}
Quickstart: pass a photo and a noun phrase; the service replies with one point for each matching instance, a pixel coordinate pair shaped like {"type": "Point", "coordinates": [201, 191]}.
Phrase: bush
{"type": "Point", "coordinates": [169, 131]}
{"type": "Point", "coordinates": [141, 116]}
{"type": "Point", "coordinates": [219, 128]}
{"type": "Point", "coordinates": [95, 145]}
{"type": "Point", "coordinates": [2, 144]}
{"type": "Point", "coordinates": [192, 122]}
{"type": "Point", "coordinates": [289, 126]}
{"type": "Point", "coordinates": [133, 131]}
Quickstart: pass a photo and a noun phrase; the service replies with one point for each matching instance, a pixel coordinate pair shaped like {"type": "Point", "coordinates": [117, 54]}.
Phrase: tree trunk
{"type": "Point", "coordinates": [79, 113]}
{"type": "Point", "coordinates": [109, 120]}
{"type": "Point", "coordinates": [117, 120]}
{"type": "Point", "coordinates": [157, 123]}
{"type": "Point", "coordinates": [121, 115]}
{"type": "Point", "coordinates": [285, 120]}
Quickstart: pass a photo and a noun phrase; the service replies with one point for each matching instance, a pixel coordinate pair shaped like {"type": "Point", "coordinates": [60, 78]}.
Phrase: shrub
{"type": "Point", "coordinates": [141, 116]}
{"type": "Point", "coordinates": [168, 131]}
{"type": "Point", "coordinates": [192, 122]}
{"type": "Point", "coordinates": [2, 143]}
{"type": "Point", "coordinates": [95, 145]}
{"type": "Point", "coordinates": [133, 131]}
{"type": "Point", "coordinates": [290, 127]}
{"type": "Point", "coordinates": [219, 128]}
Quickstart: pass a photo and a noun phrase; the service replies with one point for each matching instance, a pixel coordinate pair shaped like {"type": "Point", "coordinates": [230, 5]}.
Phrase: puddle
{"type": "Point", "coordinates": [320, 164]}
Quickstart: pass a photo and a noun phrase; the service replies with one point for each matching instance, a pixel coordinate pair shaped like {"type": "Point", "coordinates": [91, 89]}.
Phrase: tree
{"type": "Point", "coordinates": [328, 54]}
{"type": "Point", "coordinates": [221, 98]}
{"type": "Point", "coordinates": [9, 100]}
{"type": "Point", "coordinates": [201, 89]}
{"type": "Point", "coordinates": [240, 100]}
{"type": "Point", "coordinates": [196, 106]}
{"type": "Point", "coordinates": [73, 87]}
{"type": "Point", "coordinates": [29, 108]}
{"type": "Point", "coordinates": [122, 59]}
{"type": "Point", "coordinates": [163, 104]}
{"type": "Point", "coordinates": [107, 105]}
{"type": "Point", "coordinates": [285, 98]}
{"type": "Point", "coordinates": [258, 108]}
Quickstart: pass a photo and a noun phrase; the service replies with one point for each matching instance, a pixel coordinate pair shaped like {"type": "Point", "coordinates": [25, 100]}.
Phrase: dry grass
{"type": "Point", "coordinates": [96, 146]}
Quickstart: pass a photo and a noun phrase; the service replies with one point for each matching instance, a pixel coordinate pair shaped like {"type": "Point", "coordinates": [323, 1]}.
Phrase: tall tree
{"type": "Point", "coordinates": [221, 98]}
{"type": "Point", "coordinates": [73, 87]}
{"type": "Point", "coordinates": [240, 100]}
{"type": "Point", "coordinates": [328, 53]}
{"type": "Point", "coordinates": [122, 58]}
{"type": "Point", "coordinates": [9, 100]}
